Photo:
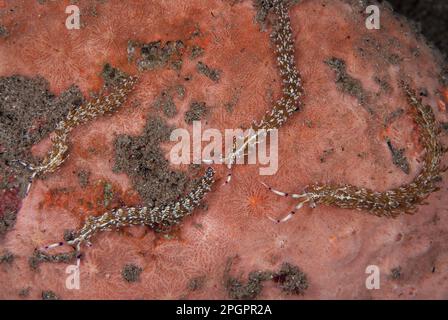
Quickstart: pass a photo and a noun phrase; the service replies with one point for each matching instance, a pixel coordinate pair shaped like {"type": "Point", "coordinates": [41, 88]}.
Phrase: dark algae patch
{"type": "Point", "coordinates": [24, 292]}
{"type": "Point", "coordinates": [6, 258]}
{"type": "Point", "coordinates": [49, 295]}
{"type": "Point", "coordinates": [212, 74]}
{"type": "Point", "coordinates": [384, 85]}
{"type": "Point", "coordinates": [9, 206]}
{"type": "Point", "coordinates": [3, 32]}
{"type": "Point", "coordinates": [251, 289]}
{"type": "Point", "coordinates": [165, 102]}
{"type": "Point", "coordinates": [131, 273]}
{"type": "Point", "coordinates": [180, 91]}
{"type": "Point", "coordinates": [155, 55]}
{"type": "Point", "coordinates": [290, 279]}
{"type": "Point", "coordinates": [141, 158]}
{"type": "Point", "coordinates": [345, 82]}
{"type": "Point", "coordinates": [395, 273]}
{"type": "Point", "coordinates": [83, 178]}
{"type": "Point", "coordinates": [196, 283]}
{"type": "Point", "coordinates": [232, 103]}
{"type": "Point", "coordinates": [263, 7]}
{"type": "Point", "coordinates": [39, 257]}
{"type": "Point", "coordinates": [196, 51]}
{"type": "Point", "coordinates": [398, 157]}
{"type": "Point", "coordinates": [112, 76]}
{"type": "Point", "coordinates": [108, 194]}
{"type": "Point", "coordinates": [197, 111]}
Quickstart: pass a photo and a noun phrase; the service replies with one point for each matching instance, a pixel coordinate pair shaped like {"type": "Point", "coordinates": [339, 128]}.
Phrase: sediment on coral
{"type": "Point", "coordinates": [155, 55]}
{"type": "Point", "coordinates": [196, 112]}
{"type": "Point", "coordinates": [398, 157]}
{"type": "Point", "coordinates": [347, 83]}
{"type": "Point", "coordinates": [39, 257]}
{"type": "Point", "coordinates": [209, 72]}
{"type": "Point", "coordinates": [142, 159]}
{"type": "Point", "coordinates": [6, 257]}
{"type": "Point", "coordinates": [49, 295]}
{"type": "Point", "coordinates": [131, 273]}
{"type": "Point", "coordinates": [289, 278]}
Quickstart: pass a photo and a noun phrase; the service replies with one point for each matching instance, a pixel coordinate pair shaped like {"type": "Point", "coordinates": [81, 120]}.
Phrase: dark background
{"type": "Point", "coordinates": [430, 15]}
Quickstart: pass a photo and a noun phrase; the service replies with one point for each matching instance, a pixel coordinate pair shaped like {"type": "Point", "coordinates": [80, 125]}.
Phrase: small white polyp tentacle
{"type": "Point", "coordinates": [291, 214]}
{"type": "Point", "coordinates": [30, 181]}
{"type": "Point", "coordinates": [305, 196]}
{"type": "Point", "coordinates": [229, 177]}
{"type": "Point", "coordinates": [301, 204]}
{"type": "Point", "coordinates": [53, 245]}
{"type": "Point", "coordinates": [207, 161]}
{"type": "Point", "coordinates": [229, 167]}
{"type": "Point", "coordinates": [286, 194]}
{"type": "Point", "coordinates": [277, 192]}
{"type": "Point", "coordinates": [284, 219]}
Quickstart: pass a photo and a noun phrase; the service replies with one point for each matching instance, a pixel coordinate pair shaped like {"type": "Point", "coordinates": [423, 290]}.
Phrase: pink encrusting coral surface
{"type": "Point", "coordinates": [352, 126]}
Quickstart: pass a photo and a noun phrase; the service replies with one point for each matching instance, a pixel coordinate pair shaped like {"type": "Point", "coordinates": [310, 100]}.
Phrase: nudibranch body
{"type": "Point", "coordinates": [390, 203]}
{"type": "Point", "coordinates": [158, 218]}
{"type": "Point", "coordinates": [292, 87]}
